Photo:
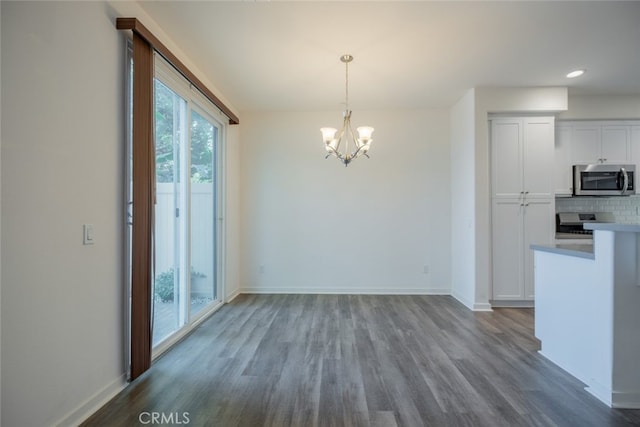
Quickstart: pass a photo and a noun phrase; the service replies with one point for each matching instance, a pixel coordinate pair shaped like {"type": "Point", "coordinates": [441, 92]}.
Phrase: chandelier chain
{"type": "Point", "coordinates": [346, 90]}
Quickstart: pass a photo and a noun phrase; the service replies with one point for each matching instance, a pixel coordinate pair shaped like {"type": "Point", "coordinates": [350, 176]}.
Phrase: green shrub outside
{"type": "Point", "coordinates": [164, 284]}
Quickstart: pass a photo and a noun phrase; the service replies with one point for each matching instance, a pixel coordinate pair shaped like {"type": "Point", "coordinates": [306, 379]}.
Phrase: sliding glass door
{"type": "Point", "coordinates": [170, 284]}
{"type": "Point", "coordinates": [187, 198]}
{"type": "Point", "coordinates": [174, 236]}
{"type": "Point", "coordinates": [204, 136]}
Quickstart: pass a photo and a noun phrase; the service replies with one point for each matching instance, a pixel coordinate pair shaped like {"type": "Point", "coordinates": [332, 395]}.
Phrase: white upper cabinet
{"type": "Point", "coordinates": [586, 146]}
{"type": "Point", "coordinates": [537, 157]}
{"type": "Point", "coordinates": [522, 157]}
{"type": "Point", "coordinates": [615, 144]}
{"type": "Point", "coordinates": [507, 158]}
{"type": "Point", "coordinates": [599, 142]}
{"type": "Point", "coordinates": [590, 142]}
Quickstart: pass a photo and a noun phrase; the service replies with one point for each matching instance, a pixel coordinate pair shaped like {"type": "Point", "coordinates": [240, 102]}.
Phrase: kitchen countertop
{"type": "Point", "coordinates": [612, 226]}
{"type": "Point", "coordinates": [586, 250]}
{"type": "Point", "coordinates": [581, 251]}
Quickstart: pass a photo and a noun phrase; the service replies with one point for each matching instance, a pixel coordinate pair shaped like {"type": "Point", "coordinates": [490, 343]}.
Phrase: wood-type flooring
{"type": "Point", "coordinates": [358, 360]}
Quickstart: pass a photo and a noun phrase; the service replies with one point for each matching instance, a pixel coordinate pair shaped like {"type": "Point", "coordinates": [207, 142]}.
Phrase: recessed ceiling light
{"type": "Point", "coordinates": [575, 73]}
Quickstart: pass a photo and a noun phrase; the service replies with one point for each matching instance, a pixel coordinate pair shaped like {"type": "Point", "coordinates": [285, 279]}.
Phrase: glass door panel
{"type": "Point", "coordinates": [170, 283]}
{"type": "Point", "coordinates": [204, 136]}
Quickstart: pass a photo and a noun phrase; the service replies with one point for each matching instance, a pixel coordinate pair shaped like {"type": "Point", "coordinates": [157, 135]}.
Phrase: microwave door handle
{"type": "Point", "coordinates": [625, 180]}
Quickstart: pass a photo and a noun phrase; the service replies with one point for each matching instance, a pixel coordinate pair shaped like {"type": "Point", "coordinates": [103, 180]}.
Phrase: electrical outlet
{"type": "Point", "coordinates": [425, 269]}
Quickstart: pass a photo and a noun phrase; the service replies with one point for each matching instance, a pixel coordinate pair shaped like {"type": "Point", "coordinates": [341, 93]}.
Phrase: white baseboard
{"type": "Point", "coordinates": [614, 399]}
{"type": "Point", "coordinates": [600, 392]}
{"type": "Point", "coordinates": [95, 402]}
{"type": "Point", "coordinates": [474, 306]}
{"type": "Point", "coordinates": [623, 400]}
{"type": "Point", "coordinates": [558, 362]}
{"type": "Point", "coordinates": [597, 390]}
{"type": "Point", "coordinates": [462, 300]}
{"type": "Point", "coordinates": [232, 296]}
{"type": "Point", "coordinates": [513, 304]}
{"type": "Point", "coordinates": [482, 306]}
{"type": "Point", "coordinates": [346, 291]}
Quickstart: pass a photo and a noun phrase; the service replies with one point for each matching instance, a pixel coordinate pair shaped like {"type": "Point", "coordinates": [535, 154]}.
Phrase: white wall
{"type": "Point", "coordinates": [602, 107]}
{"type": "Point", "coordinates": [463, 258]}
{"type": "Point", "coordinates": [62, 166]}
{"type": "Point", "coordinates": [312, 225]}
{"type": "Point", "coordinates": [62, 133]}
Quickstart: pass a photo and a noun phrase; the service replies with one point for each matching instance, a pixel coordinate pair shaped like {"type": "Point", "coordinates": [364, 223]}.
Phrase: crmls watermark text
{"type": "Point", "coordinates": [159, 418]}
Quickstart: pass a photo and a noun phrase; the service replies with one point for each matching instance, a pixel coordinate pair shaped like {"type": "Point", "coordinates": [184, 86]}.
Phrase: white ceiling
{"type": "Point", "coordinates": [285, 55]}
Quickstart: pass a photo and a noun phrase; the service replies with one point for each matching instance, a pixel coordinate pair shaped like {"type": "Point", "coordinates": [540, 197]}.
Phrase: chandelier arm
{"type": "Point", "coordinates": [344, 132]}
{"type": "Point", "coordinates": [356, 143]}
{"type": "Point", "coordinates": [334, 152]}
{"type": "Point", "coordinates": [357, 152]}
{"type": "Point", "coordinates": [337, 147]}
{"type": "Point", "coordinates": [355, 140]}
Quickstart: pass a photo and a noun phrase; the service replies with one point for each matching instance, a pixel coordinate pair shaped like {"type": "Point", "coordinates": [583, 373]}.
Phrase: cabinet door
{"type": "Point", "coordinates": [563, 177]}
{"type": "Point", "coordinates": [585, 144]}
{"type": "Point", "coordinates": [539, 226]}
{"type": "Point", "coordinates": [615, 144]}
{"type": "Point", "coordinates": [537, 159]}
{"type": "Point", "coordinates": [507, 242]}
{"type": "Point", "coordinates": [506, 157]}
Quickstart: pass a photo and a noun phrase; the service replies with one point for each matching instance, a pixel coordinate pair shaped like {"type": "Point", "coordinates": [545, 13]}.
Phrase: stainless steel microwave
{"type": "Point", "coordinates": [604, 180]}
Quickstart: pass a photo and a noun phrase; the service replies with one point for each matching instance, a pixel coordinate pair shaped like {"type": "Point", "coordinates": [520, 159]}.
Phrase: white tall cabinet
{"type": "Point", "coordinates": [523, 203]}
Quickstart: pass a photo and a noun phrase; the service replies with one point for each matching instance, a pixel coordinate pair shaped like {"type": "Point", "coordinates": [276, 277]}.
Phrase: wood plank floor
{"type": "Point", "coordinates": [360, 360]}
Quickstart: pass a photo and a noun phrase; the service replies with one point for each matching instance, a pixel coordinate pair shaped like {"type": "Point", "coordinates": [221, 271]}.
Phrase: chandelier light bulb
{"type": "Point", "coordinates": [364, 133]}
{"type": "Point", "coordinates": [328, 134]}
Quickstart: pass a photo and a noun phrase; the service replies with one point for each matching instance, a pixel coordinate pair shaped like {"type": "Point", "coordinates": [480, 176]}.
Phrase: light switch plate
{"type": "Point", "coordinates": [87, 232]}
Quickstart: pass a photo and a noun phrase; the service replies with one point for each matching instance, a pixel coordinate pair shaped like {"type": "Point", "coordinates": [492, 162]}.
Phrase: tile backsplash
{"type": "Point", "coordinates": [625, 209]}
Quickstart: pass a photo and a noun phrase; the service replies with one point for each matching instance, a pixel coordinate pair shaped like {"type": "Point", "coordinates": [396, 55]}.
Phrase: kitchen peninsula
{"type": "Point", "coordinates": [587, 311]}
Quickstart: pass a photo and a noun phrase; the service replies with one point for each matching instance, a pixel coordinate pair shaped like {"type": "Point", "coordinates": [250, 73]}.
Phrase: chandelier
{"type": "Point", "coordinates": [347, 147]}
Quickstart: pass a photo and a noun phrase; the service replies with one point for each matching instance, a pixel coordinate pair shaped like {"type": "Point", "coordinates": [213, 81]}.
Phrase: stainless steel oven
{"type": "Point", "coordinates": [570, 226]}
{"type": "Point", "coordinates": [604, 180]}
